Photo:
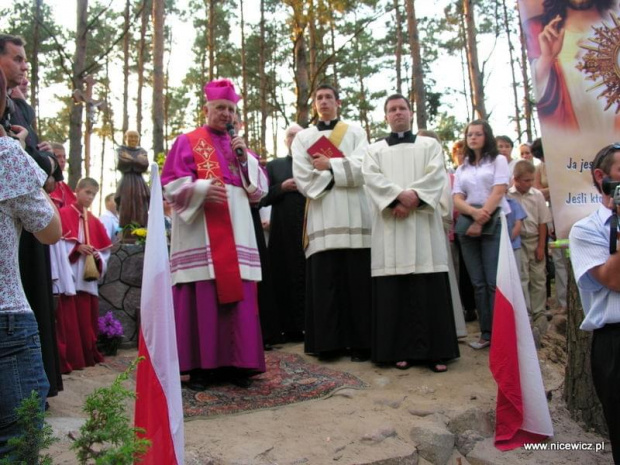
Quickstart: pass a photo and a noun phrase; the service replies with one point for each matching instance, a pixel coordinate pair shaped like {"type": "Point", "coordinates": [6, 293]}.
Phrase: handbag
{"type": "Point", "coordinates": [463, 223]}
{"type": "Point", "coordinates": [91, 272]}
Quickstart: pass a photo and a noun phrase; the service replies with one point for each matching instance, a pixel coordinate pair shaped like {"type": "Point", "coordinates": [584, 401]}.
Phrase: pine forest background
{"type": "Point", "coordinates": [100, 67]}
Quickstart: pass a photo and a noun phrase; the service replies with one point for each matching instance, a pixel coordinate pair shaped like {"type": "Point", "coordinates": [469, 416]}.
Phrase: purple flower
{"type": "Point", "coordinates": [109, 326]}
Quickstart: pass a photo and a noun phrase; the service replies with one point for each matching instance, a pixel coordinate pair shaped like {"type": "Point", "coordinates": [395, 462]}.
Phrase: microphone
{"type": "Point", "coordinates": [231, 132]}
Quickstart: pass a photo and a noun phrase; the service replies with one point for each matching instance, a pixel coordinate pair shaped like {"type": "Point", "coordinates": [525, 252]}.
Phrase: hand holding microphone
{"type": "Point", "coordinates": [231, 132]}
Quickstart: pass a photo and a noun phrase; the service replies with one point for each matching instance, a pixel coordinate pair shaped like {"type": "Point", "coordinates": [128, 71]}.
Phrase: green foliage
{"type": "Point", "coordinates": [36, 434]}
{"type": "Point", "coordinates": [449, 129]}
{"type": "Point", "coordinates": [227, 55]}
{"type": "Point", "coordinates": [19, 18]}
{"type": "Point", "coordinates": [56, 128]}
{"type": "Point", "coordinates": [160, 159]}
{"type": "Point", "coordinates": [107, 437]}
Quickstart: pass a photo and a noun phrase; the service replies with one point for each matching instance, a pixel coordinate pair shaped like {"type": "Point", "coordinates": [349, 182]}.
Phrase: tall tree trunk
{"type": "Point", "coordinates": [263, 84]}
{"type": "Point", "coordinates": [203, 67]}
{"type": "Point", "coordinates": [75, 120]}
{"type": "Point", "coordinates": [332, 34]}
{"type": "Point", "coordinates": [579, 394]}
{"type": "Point", "coordinates": [476, 75]}
{"type": "Point", "coordinates": [158, 76]}
{"type": "Point", "coordinates": [274, 134]}
{"type": "Point", "coordinates": [399, 46]}
{"type": "Point", "coordinates": [468, 88]}
{"type": "Point", "coordinates": [244, 71]}
{"type": "Point", "coordinates": [300, 60]}
{"type": "Point", "coordinates": [104, 134]}
{"type": "Point", "coordinates": [101, 196]}
{"type": "Point", "coordinates": [34, 62]}
{"type": "Point", "coordinates": [527, 91]}
{"type": "Point", "coordinates": [211, 45]}
{"type": "Point", "coordinates": [126, 68]}
{"type": "Point", "coordinates": [167, 97]}
{"type": "Point", "coordinates": [418, 72]}
{"type": "Point", "coordinates": [89, 81]}
{"type": "Point", "coordinates": [144, 20]}
{"type": "Point", "coordinates": [312, 41]}
{"type": "Point", "coordinates": [512, 69]}
{"type": "Point", "coordinates": [363, 112]}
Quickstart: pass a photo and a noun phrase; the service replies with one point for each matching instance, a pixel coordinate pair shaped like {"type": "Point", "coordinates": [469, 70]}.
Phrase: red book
{"type": "Point", "coordinates": [323, 146]}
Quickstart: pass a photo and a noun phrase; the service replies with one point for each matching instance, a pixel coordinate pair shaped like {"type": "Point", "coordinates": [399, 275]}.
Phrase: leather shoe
{"type": "Point", "coordinates": [329, 355]}
{"type": "Point", "coordinates": [241, 381]}
{"type": "Point", "coordinates": [197, 385]}
{"type": "Point", "coordinates": [360, 355]}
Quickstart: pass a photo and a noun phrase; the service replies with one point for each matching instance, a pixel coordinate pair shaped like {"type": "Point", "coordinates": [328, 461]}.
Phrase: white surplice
{"type": "Point", "coordinates": [415, 244]}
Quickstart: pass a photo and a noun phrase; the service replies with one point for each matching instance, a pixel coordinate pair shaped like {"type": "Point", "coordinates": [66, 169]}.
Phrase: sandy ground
{"type": "Point", "coordinates": [371, 426]}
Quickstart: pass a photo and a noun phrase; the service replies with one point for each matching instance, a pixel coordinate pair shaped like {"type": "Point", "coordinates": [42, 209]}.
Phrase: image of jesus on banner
{"type": "Point", "coordinates": [571, 46]}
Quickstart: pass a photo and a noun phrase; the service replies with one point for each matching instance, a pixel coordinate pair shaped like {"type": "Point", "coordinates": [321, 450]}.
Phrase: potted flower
{"type": "Point", "coordinates": [110, 334]}
{"type": "Point", "coordinates": [140, 233]}
{"type": "Point", "coordinates": [134, 233]}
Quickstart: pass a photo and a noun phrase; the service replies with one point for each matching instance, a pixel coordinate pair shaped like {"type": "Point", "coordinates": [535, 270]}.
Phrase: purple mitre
{"type": "Point", "coordinates": [221, 89]}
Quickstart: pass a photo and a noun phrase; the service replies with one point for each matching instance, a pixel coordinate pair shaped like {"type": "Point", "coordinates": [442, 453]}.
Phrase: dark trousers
{"type": "Point", "coordinates": [605, 360]}
{"type": "Point", "coordinates": [338, 300]}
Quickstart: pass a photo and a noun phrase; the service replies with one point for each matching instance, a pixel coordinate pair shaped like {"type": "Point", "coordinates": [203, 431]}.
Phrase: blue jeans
{"type": "Point", "coordinates": [21, 371]}
{"type": "Point", "coordinates": [481, 255]}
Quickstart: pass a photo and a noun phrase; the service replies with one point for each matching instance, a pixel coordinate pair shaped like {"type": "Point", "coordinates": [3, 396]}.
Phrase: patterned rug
{"type": "Point", "coordinates": [288, 379]}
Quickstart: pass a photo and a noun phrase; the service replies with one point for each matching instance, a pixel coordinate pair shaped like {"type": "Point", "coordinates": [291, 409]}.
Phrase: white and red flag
{"type": "Point", "coordinates": [522, 413]}
{"type": "Point", "coordinates": [159, 406]}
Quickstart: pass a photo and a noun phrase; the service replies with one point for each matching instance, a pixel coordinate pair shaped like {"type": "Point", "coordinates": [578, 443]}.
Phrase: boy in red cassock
{"type": "Point", "coordinates": [77, 315]}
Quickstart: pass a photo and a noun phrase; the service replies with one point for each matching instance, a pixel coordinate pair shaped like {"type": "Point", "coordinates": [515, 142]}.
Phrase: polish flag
{"type": "Point", "coordinates": [159, 407]}
{"type": "Point", "coordinates": [522, 413]}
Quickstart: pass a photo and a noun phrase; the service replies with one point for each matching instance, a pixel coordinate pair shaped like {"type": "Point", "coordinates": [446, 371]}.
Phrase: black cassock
{"type": "Point", "coordinates": [34, 263]}
{"type": "Point", "coordinates": [286, 254]}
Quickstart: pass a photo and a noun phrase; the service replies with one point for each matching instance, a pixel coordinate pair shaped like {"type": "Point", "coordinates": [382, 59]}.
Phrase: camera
{"type": "Point", "coordinates": [612, 188]}
{"type": "Point", "coordinates": [5, 120]}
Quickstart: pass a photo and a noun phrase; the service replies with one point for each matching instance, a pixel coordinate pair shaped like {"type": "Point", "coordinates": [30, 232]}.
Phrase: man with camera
{"type": "Point", "coordinates": [597, 271]}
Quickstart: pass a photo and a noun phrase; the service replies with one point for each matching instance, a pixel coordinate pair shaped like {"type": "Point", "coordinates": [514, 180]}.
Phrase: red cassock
{"type": "Point", "coordinates": [62, 196]}
{"type": "Point", "coordinates": [77, 315]}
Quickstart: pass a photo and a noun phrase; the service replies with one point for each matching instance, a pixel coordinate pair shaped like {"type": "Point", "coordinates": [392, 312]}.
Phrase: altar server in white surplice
{"type": "Point", "coordinates": [412, 317]}
{"type": "Point", "coordinates": [327, 168]}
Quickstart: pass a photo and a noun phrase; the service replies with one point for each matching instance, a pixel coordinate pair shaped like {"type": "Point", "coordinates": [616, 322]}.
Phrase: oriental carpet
{"type": "Point", "coordinates": [289, 379]}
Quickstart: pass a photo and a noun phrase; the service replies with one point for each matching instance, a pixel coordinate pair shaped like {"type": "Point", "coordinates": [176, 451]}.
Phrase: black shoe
{"type": "Point", "coordinates": [241, 381]}
{"type": "Point", "coordinates": [360, 355]}
{"type": "Point", "coordinates": [329, 355]}
{"type": "Point", "coordinates": [197, 385]}
{"type": "Point", "coordinates": [267, 347]}
{"type": "Point", "coordinates": [198, 380]}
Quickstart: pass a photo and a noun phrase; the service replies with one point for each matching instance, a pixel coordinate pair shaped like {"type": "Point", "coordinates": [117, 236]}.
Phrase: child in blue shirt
{"type": "Point", "coordinates": [515, 220]}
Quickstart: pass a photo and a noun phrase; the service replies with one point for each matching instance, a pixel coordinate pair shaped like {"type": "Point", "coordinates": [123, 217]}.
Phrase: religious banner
{"type": "Point", "coordinates": [573, 48]}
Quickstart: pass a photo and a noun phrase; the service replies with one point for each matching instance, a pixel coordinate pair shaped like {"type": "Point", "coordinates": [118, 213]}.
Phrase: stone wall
{"type": "Point", "coordinates": [121, 288]}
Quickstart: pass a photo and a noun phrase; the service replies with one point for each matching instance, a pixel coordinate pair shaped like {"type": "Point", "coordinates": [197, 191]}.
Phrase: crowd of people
{"type": "Point", "coordinates": [48, 300]}
{"type": "Point", "coordinates": [376, 251]}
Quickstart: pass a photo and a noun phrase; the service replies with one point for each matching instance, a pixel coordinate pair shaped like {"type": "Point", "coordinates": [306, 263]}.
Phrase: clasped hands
{"type": "Point", "coordinates": [408, 201]}
{"type": "Point", "coordinates": [480, 216]}
{"type": "Point", "coordinates": [216, 193]}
